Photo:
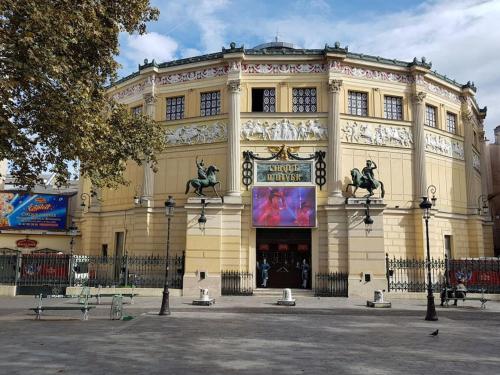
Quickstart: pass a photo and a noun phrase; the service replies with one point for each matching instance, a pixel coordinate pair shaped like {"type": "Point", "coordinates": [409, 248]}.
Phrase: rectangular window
{"type": "Point", "coordinates": [430, 116]}
{"type": "Point", "coordinates": [304, 100]}
{"type": "Point", "coordinates": [137, 111]}
{"type": "Point", "coordinates": [264, 100]}
{"type": "Point", "coordinates": [447, 245]}
{"type": "Point", "coordinates": [451, 122]}
{"type": "Point", "coordinates": [393, 107]}
{"type": "Point", "coordinates": [175, 108]}
{"type": "Point", "coordinates": [357, 103]}
{"type": "Point", "coordinates": [210, 103]}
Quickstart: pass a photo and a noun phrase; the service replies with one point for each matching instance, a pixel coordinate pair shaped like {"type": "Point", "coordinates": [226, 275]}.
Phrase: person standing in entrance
{"type": "Point", "coordinates": [264, 268]}
{"type": "Point", "coordinates": [304, 268]}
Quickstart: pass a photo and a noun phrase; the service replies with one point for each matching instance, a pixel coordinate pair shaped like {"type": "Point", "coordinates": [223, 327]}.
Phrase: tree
{"type": "Point", "coordinates": [56, 60]}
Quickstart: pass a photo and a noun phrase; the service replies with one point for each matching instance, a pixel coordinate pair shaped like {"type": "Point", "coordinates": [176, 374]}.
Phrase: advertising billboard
{"type": "Point", "coordinates": [285, 207]}
{"type": "Point", "coordinates": [20, 210]}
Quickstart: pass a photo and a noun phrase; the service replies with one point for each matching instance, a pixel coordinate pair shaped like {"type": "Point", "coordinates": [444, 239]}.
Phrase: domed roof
{"type": "Point", "coordinates": [274, 45]}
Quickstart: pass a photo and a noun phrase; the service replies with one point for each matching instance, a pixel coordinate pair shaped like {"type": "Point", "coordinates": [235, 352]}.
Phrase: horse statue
{"type": "Point", "coordinates": [360, 181]}
{"type": "Point", "coordinates": [200, 183]}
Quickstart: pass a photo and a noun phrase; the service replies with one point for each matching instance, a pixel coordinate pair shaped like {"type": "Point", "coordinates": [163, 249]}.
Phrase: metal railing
{"type": "Point", "coordinates": [57, 270]}
{"type": "Point", "coordinates": [332, 284]}
{"type": "Point", "coordinates": [236, 283]}
{"type": "Point", "coordinates": [409, 275]}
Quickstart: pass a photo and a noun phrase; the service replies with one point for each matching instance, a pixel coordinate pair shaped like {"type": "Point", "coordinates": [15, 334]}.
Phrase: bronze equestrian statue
{"type": "Point", "coordinates": [366, 180]}
{"type": "Point", "coordinates": [206, 178]}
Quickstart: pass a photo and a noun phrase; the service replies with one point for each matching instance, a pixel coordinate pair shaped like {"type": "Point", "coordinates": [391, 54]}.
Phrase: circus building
{"type": "Point", "coordinates": [297, 163]}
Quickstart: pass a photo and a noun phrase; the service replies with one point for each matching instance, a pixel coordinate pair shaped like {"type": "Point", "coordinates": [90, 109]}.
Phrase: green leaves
{"type": "Point", "coordinates": [56, 57]}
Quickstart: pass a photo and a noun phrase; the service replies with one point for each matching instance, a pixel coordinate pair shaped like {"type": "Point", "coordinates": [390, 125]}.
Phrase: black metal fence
{"type": "Point", "coordinates": [410, 275]}
{"type": "Point", "coordinates": [58, 271]}
{"type": "Point", "coordinates": [333, 284]}
{"type": "Point", "coordinates": [236, 283]}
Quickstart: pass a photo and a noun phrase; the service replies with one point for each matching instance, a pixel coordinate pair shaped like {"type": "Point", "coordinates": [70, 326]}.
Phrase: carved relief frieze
{"type": "Point", "coordinates": [338, 67]}
{"type": "Point", "coordinates": [283, 68]}
{"type": "Point", "coordinates": [376, 134]}
{"type": "Point", "coordinates": [283, 130]}
{"type": "Point", "coordinates": [197, 134]}
{"type": "Point", "coordinates": [136, 89]}
{"type": "Point", "coordinates": [445, 146]}
{"type": "Point", "coordinates": [441, 91]}
{"type": "Point", "coordinates": [194, 75]}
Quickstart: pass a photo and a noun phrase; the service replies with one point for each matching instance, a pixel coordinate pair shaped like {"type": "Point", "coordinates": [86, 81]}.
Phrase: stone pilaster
{"type": "Point", "coordinates": [419, 169]}
{"type": "Point", "coordinates": [148, 173]}
{"type": "Point", "coordinates": [233, 140]}
{"type": "Point", "coordinates": [468, 153]}
{"type": "Point", "coordinates": [334, 154]}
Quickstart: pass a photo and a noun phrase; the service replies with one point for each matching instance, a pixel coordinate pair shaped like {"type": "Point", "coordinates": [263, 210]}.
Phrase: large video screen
{"type": "Point", "coordinates": [284, 207]}
{"type": "Point", "coordinates": [20, 210]}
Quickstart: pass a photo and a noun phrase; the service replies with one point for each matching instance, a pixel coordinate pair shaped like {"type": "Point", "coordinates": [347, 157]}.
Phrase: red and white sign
{"type": "Point", "coordinates": [26, 243]}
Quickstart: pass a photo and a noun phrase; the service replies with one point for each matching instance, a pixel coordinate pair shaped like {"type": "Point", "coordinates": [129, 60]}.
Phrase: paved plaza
{"type": "Point", "coordinates": [250, 335]}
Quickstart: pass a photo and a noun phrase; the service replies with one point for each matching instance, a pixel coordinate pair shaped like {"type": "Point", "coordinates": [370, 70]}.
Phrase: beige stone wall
{"type": "Point", "coordinates": [51, 241]}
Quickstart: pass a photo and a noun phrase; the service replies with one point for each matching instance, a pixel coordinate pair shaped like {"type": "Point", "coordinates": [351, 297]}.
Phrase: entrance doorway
{"type": "Point", "coordinates": [283, 258]}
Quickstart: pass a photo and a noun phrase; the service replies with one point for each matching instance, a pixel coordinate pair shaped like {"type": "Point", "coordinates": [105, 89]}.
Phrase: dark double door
{"type": "Point", "coordinates": [284, 257]}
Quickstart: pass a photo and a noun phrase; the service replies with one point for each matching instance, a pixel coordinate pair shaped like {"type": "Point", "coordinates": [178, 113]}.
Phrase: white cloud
{"type": "Point", "coordinates": [460, 37]}
{"type": "Point", "coordinates": [149, 46]}
{"type": "Point", "coordinates": [190, 52]}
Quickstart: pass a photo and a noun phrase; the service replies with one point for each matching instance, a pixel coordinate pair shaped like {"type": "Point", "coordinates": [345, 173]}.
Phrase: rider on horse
{"type": "Point", "coordinates": [202, 171]}
{"type": "Point", "coordinates": [368, 173]}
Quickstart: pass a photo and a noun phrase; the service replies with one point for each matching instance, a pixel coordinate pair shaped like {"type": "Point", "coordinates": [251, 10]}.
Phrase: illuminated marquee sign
{"type": "Point", "coordinates": [297, 172]}
{"type": "Point", "coordinates": [284, 207]}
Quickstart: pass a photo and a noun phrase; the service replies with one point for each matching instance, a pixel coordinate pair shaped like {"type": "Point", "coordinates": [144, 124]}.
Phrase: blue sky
{"type": "Point", "coordinates": [460, 37]}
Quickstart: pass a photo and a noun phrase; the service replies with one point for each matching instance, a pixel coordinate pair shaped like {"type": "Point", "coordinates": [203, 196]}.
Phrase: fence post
{"type": "Point", "coordinates": [387, 272]}
{"type": "Point", "coordinates": [19, 258]}
{"type": "Point", "coordinates": [126, 270]}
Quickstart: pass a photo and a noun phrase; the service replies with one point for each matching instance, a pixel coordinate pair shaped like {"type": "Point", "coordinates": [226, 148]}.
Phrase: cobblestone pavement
{"type": "Point", "coordinates": [250, 335]}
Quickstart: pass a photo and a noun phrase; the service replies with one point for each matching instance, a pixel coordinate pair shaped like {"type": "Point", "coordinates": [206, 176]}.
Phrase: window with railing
{"type": "Point", "coordinates": [357, 103]}
{"type": "Point", "coordinates": [393, 107]}
{"type": "Point", "coordinates": [263, 100]}
{"type": "Point", "coordinates": [430, 116]}
{"type": "Point", "coordinates": [451, 122]}
{"type": "Point", "coordinates": [210, 103]}
{"type": "Point", "coordinates": [136, 111]}
{"type": "Point", "coordinates": [175, 108]}
{"type": "Point", "coordinates": [304, 100]}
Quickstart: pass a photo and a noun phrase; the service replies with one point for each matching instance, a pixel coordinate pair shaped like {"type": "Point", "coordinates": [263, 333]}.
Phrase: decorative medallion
{"type": "Point", "coordinates": [286, 149]}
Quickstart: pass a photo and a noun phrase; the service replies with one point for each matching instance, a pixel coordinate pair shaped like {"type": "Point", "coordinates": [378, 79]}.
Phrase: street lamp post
{"type": "Point", "coordinates": [426, 205]}
{"type": "Point", "coordinates": [165, 302]}
{"type": "Point", "coordinates": [368, 220]}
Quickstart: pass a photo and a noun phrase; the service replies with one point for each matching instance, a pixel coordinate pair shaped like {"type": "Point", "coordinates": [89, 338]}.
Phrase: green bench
{"type": "Point", "coordinates": [482, 299]}
{"type": "Point", "coordinates": [39, 309]}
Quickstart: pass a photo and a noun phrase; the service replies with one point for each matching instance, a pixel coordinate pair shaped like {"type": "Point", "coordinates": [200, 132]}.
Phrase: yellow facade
{"type": "Point", "coordinates": [339, 242]}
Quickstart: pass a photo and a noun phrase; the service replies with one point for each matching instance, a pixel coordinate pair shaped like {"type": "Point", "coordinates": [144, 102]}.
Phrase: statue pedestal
{"type": "Point", "coordinates": [214, 249]}
{"type": "Point", "coordinates": [366, 251]}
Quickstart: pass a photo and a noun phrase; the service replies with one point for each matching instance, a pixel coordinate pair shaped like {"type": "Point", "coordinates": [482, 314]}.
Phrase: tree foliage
{"type": "Point", "coordinates": [56, 59]}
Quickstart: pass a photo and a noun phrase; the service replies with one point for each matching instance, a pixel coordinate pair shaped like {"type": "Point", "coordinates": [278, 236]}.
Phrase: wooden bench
{"type": "Point", "coordinates": [482, 299]}
{"type": "Point", "coordinates": [39, 309]}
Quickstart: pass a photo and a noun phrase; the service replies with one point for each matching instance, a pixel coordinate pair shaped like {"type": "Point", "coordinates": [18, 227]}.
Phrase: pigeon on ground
{"type": "Point", "coordinates": [435, 333]}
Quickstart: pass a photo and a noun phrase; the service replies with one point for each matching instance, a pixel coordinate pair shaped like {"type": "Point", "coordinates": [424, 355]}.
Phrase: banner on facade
{"type": "Point", "coordinates": [284, 207]}
{"type": "Point", "coordinates": [20, 210]}
{"type": "Point", "coordinates": [298, 172]}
